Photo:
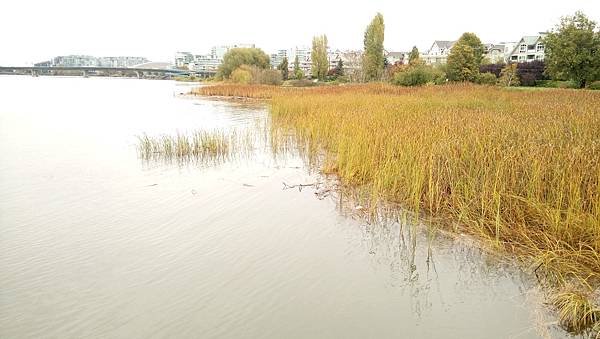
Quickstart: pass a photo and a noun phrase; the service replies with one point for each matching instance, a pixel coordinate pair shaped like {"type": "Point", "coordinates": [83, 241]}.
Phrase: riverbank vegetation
{"type": "Point", "coordinates": [518, 168]}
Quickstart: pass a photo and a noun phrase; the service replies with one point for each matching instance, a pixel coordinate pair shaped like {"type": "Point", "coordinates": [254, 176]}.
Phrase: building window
{"type": "Point", "coordinates": [521, 58]}
{"type": "Point", "coordinates": [530, 57]}
{"type": "Point", "coordinates": [514, 57]}
{"type": "Point", "coordinates": [539, 57]}
{"type": "Point", "coordinates": [540, 47]}
{"type": "Point", "coordinates": [523, 48]}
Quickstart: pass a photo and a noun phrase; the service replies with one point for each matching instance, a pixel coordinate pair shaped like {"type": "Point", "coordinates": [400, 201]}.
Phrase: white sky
{"type": "Point", "coordinates": [33, 31]}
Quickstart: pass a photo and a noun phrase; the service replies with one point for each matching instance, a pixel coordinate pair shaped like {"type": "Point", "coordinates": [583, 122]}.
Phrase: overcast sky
{"type": "Point", "coordinates": [32, 31]}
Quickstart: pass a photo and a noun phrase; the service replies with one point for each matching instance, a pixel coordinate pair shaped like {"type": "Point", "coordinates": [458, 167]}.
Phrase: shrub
{"type": "Point", "coordinates": [492, 68]}
{"type": "Point", "coordinates": [594, 85]}
{"type": "Point", "coordinates": [419, 75]}
{"type": "Point", "coordinates": [241, 76]}
{"type": "Point", "coordinates": [253, 75]}
{"type": "Point", "coordinates": [267, 77]}
{"type": "Point", "coordinates": [530, 72]}
{"type": "Point", "coordinates": [299, 83]}
{"type": "Point", "coordinates": [487, 79]}
{"type": "Point", "coordinates": [555, 84]}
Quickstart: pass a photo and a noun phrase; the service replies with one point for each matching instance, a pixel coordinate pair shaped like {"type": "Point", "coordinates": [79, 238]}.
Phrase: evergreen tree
{"type": "Point", "coordinates": [339, 68]}
{"type": "Point", "coordinates": [373, 58]}
{"type": "Point", "coordinates": [283, 67]}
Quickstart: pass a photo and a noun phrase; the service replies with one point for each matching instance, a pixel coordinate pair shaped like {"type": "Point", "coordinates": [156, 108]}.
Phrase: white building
{"type": "Point", "coordinates": [91, 61]}
{"type": "Point", "coordinates": [334, 57]}
{"type": "Point", "coordinates": [304, 59]}
{"type": "Point", "coordinates": [206, 62]}
{"type": "Point", "coordinates": [396, 58]}
{"type": "Point", "coordinates": [277, 58]}
{"type": "Point", "coordinates": [528, 49]}
{"type": "Point", "coordinates": [438, 52]}
{"type": "Point", "coordinates": [121, 62]}
{"type": "Point", "coordinates": [352, 64]}
{"type": "Point", "coordinates": [494, 53]}
{"type": "Point", "coordinates": [508, 48]}
{"type": "Point", "coordinates": [183, 59]}
{"type": "Point", "coordinates": [75, 61]}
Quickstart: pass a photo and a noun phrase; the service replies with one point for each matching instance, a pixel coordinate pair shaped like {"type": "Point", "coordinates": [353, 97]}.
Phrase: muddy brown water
{"type": "Point", "coordinates": [98, 243]}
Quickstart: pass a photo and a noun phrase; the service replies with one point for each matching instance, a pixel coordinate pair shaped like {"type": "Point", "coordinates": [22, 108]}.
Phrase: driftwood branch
{"type": "Point", "coordinates": [300, 186]}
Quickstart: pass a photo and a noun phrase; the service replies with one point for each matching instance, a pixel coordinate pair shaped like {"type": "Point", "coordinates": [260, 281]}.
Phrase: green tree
{"type": "Point", "coordinates": [373, 58]}
{"type": "Point", "coordinates": [509, 76]}
{"type": "Point", "coordinates": [572, 50]}
{"type": "Point", "coordinates": [298, 74]}
{"type": "Point", "coordinates": [465, 58]}
{"type": "Point", "coordinates": [320, 63]}
{"type": "Point", "coordinates": [283, 67]}
{"type": "Point", "coordinates": [413, 57]}
{"type": "Point", "coordinates": [339, 68]}
{"type": "Point", "coordinates": [236, 57]}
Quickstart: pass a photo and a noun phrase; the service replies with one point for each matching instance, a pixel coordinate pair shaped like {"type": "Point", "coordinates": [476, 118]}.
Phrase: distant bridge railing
{"type": "Point", "coordinates": [98, 71]}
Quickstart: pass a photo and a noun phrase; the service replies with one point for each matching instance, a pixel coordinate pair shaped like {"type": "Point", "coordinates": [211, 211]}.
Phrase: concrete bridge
{"type": "Point", "coordinates": [102, 71]}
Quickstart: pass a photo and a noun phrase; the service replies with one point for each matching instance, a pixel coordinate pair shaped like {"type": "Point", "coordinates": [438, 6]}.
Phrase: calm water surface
{"type": "Point", "coordinates": [97, 243]}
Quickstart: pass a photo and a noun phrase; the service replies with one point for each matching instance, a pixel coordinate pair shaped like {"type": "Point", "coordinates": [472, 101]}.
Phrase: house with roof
{"type": "Point", "coordinates": [438, 52]}
{"type": "Point", "coordinates": [528, 49]}
{"type": "Point", "coordinates": [396, 58]}
{"type": "Point", "coordinates": [494, 53]}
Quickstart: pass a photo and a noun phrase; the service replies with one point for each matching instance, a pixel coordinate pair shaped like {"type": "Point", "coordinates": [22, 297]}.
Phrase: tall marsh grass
{"type": "Point", "coordinates": [238, 90]}
{"type": "Point", "coordinates": [206, 146]}
{"type": "Point", "coordinates": [268, 92]}
{"type": "Point", "coordinates": [520, 168]}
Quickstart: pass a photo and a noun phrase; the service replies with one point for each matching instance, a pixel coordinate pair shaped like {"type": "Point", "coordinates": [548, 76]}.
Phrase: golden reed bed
{"type": "Point", "coordinates": [520, 168]}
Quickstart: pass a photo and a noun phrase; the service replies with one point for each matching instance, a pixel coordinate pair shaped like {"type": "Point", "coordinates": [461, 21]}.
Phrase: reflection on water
{"type": "Point", "coordinates": [98, 241]}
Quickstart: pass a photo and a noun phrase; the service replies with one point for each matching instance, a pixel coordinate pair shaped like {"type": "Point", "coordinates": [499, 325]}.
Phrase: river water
{"type": "Point", "coordinates": [96, 242]}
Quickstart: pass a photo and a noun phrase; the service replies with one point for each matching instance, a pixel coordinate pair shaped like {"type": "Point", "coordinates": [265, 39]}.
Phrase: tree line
{"type": "Point", "coordinates": [572, 53]}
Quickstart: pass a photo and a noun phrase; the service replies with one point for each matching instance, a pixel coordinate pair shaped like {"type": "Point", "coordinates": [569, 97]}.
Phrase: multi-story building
{"type": "Point", "coordinates": [396, 58]}
{"type": "Point", "coordinates": [183, 59]}
{"type": "Point", "coordinates": [91, 61]}
{"type": "Point", "coordinates": [493, 53]}
{"type": "Point", "coordinates": [438, 52]}
{"type": "Point", "coordinates": [121, 62]}
{"type": "Point", "coordinates": [277, 58]}
{"type": "Point", "coordinates": [208, 62]}
{"type": "Point", "coordinates": [352, 61]}
{"type": "Point", "coordinates": [334, 57]}
{"type": "Point", "coordinates": [529, 48]}
{"type": "Point", "coordinates": [304, 59]}
{"type": "Point", "coordinates": [75, 61]}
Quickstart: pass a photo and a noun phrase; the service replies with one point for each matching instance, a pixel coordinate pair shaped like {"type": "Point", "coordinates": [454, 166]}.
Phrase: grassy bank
{"type": "Point", "coordinates": [269, 92]}
{"type": "Point", "coordinates": [519, 168]}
